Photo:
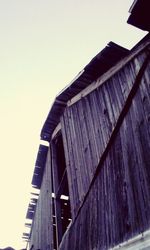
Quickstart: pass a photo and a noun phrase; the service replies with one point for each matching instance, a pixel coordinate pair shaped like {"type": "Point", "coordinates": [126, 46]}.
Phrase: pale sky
{"type": "Point", "coordinates": [43, 46]}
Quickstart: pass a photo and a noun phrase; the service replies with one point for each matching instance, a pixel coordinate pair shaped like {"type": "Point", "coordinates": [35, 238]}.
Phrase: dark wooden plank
{"type": "Point", "coordinates": [69, 162]}
{"type": "Point", "coordinates": [74, 159]}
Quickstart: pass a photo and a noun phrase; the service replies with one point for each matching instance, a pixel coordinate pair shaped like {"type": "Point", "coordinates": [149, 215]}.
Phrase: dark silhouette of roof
{"type": "Point", "coordinates": [39, 166]}
{"type": "Point", "coordinates": [140, 16]}
{"type": "Point", "coordinates": [7, 248]}
{"type": "Point", "coordinates": [100, 64]}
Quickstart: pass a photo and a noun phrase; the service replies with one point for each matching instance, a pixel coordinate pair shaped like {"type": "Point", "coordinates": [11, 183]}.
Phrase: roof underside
{"type": "Point", "coordinates": [140, 14]}
{"type": "Point", "coordinates": [36, 183]}
{"type": "Point", "coordinates": [39, 166]}
{"type": "Point", "coordinates": [102, 62]}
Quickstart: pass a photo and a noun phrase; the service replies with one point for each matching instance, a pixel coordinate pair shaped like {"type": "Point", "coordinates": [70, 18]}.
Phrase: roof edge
{"type": "Point", "coordinates": [100, 64]}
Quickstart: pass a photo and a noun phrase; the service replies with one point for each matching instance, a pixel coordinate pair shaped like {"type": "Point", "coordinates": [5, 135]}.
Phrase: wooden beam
{"type": "Point", "coordinates": [102, 79]}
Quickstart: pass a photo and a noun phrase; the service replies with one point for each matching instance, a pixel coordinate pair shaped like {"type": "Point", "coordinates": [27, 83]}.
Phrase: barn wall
{"type": "Point", "coordinates": [88, 124]}
{"type": "Point", "coordinates": [41, 234]}
{"type": "Point", "coordinates": [117, 206]}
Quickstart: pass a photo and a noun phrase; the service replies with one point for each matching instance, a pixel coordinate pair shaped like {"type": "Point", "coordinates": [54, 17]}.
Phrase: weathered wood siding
{"type": "Point", "coordinates": [41, 234]}
{"type": "Point", "coordinates": [118, 203]}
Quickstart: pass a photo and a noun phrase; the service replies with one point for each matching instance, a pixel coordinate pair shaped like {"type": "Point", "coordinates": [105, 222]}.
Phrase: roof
{"type": "Point", "coordinates": [101, 63]}
{"type": "Point", "coordinates": [140, 16]}
{"type": "Point", "coordinates": [39, 166]}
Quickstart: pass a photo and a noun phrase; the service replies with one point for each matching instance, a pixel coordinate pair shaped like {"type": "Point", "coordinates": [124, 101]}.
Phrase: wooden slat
{"type": "Point", "coordinates": [106, 137]}
{"type": "Point", "coordinates": [117, 206]}
{"type": "Point", "coordinates": [41, 232]}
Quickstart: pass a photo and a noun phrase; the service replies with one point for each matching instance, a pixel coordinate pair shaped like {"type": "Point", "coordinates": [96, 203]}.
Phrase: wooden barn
{"type": "Point", "coordinates": [94, 177]}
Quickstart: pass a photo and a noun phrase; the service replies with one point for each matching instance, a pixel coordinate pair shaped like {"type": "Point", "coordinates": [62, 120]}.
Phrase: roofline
{"type": "Point", "coordinates": [133, 6]}
{"type": "Point", "coordinates": [139, 16]}
{"type": "Point", "coordinates": [100, 64]}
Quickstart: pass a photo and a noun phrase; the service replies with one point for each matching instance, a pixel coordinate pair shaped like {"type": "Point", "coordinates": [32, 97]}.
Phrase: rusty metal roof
{"type": "Point", "coordinates": [102, 62]}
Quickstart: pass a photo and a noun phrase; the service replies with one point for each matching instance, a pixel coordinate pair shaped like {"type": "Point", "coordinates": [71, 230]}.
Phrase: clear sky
{"type": "Point", "coordinates": [43, 46]}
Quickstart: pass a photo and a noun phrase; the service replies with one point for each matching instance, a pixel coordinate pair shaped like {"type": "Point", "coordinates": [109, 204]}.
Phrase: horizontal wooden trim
{"type": "Point", "coordinates": [141, 241]}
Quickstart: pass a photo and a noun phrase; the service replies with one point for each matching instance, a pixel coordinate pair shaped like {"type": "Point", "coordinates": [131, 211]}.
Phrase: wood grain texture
{"type": "Point", "coordinates": [118, 204]}
{"type": "Point", "coordinates": [41, 234]}
{"type": "Point", "coordinates": [110, 202]}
